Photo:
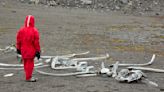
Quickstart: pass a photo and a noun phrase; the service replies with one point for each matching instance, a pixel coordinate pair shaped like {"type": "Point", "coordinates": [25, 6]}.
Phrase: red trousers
{"type": "Point", "coordinates": [28, 68]}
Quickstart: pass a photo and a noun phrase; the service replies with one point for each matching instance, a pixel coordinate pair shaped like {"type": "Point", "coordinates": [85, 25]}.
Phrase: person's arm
{"type": "Point", "coordinates": [36, 41]}
{"type": "Point", "coordinates": [18, 42]}
{"type": "Point", "coordinates": [37, 44]}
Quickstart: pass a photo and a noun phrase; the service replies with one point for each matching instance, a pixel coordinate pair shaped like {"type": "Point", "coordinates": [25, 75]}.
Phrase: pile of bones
{"type": "Point", "coordinates": [130, 72]}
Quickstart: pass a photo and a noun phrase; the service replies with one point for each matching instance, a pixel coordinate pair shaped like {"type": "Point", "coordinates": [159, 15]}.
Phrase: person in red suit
{"type": "Point", "coordinates": [27, 44]}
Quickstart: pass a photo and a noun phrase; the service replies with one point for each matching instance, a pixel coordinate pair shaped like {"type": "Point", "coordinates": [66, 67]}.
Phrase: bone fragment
{"type": "Point", "coordinates": [8, 75]}
{"type": "Point", "coordinates": [104, 70]}
{"type": "Point", "coordinates": [114, 69]}
{"type": "Point", "coordinates": [147, 81]}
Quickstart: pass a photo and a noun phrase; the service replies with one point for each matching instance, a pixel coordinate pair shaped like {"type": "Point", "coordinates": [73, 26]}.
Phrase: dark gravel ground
{"type": "Point", "coordinates": [128, 39]}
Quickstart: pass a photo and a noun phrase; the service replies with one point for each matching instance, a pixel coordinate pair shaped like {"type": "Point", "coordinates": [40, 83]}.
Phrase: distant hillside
{"type": "Point", "coordinates": [139, 7]}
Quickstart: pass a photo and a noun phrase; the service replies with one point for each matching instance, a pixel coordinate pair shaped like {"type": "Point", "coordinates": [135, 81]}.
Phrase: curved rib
{"type": "Point", "coordinates": [147, 69]}
{"type": "Point", "coordinates": [60, 75]}
{"type": "Point", "coordinates": [17, 65]}
{"type": "Point", "coordinates": [92, 58]}
{"type": "Point", "coordinates": [69, 55]}
{"type": "Point", "coordinates": [145, 64]}
{"type": "Point", "coordinates": [22, 68]}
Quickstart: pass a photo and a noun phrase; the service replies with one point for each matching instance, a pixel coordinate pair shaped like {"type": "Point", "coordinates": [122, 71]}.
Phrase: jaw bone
{"type": "Point", "coordinates": [125, 75]}
{"type": "Point", "coordinates": [129, 76]}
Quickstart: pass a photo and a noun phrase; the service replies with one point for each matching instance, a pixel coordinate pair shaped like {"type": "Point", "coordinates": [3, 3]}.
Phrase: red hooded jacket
{"type": "Point", "coordinates": [27, 40]}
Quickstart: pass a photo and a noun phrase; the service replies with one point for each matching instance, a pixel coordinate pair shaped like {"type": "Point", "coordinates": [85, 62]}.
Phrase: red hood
{"type": "Point", "coordinates": [29, 21]}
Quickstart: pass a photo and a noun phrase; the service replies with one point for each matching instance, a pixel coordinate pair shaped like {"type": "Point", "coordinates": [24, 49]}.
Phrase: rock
{"type": "Point", "coordinates": [88, 2]}
{"type": "Point", "coordinates": [117, 7]}
{"type": "Point", "coordinates": [124, 6]}
{"type": "Point", "coordinates": [3, 4]}
{"type": "Point", "coordinates": [130, 3]}
{"type": "Point", "coordinates": [157, 14]}
{"type": "Point", "coordinates": [51, 3]}
{"type": "Point", "coordinates": [124, 1]}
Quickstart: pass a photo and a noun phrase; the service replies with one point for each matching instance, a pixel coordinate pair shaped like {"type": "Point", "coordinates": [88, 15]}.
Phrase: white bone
{"type": "Point", "coordinates": [67, 74]}
{"type": "Point", "coordinates": [147, 81]}
{"type": "Point", "coordinates": [82, 66]}
{"type": "Point", "coordinates": [136, 75]}
{"type": "Point", "coordinates": [88, 2]}
{"type": "Point", "coordinates": [92, 58]}
{"type": "Point", "coordinates": [67, 56]}
{"type": "Point", "coordinates": [129, 76]}
{"type": "Point", "coordinates": [104, 70]}
{"type": "Point", "coordinates": [17, 65]}
{"type": "Point", "coordinates": [1, 68]}
{"type": "Point", "coordinates": [87, 75]}
{"type": "Point", "coordinates": [8, 75]}
{"type": "Point", "coordinates": [9, 48]}
{"type": "Point", "coordinates": [65, 63]}
{"type": "Point", "coordinates": [35, 1]}
{"type": "Point", "coordinates": [114, 69]}
{"type": "Point", "coordinates": [145, 64]}
{"type": "Point", "coordinates": [147, 69]}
